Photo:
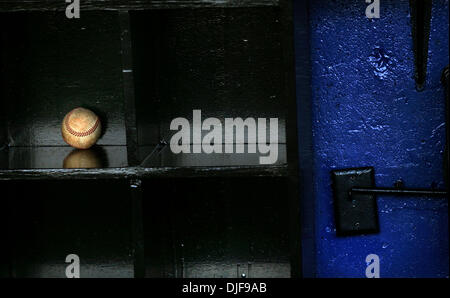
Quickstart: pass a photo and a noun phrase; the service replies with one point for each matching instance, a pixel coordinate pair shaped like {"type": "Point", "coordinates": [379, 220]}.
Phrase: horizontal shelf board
{"type": "Point", "coordinates": [139, 172]}
{"type": "Point", "coordinates": [56, 5]}
{"type": "Point", "coordinates": [44, 174]}
{"type": "Point", "coordinates": [227, 171]}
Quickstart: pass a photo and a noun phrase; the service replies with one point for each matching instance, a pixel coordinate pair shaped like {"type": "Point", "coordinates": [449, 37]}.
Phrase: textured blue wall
{"type": "Point", "coordinates": [366, 112]}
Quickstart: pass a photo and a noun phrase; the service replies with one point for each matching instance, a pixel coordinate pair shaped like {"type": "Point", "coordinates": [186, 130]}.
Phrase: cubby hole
{"type": "Point", "coordinates": [48, 220]}
{"type": "Point", "coordinates": [227, 63]}
{"type": "Point", "coordinates": [49, 65]}
{"type": "Point", "coordinates": [215, 227]}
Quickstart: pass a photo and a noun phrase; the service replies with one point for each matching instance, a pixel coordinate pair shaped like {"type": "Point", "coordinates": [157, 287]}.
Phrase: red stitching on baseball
{"type": "Point", "coordinates": [80, 134]}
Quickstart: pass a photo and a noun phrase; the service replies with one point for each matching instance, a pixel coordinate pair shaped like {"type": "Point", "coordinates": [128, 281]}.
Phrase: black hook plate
{"type": "Point", "coordinates": [356, 214]}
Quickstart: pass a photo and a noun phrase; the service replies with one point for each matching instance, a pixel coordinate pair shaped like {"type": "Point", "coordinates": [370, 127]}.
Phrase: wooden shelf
{"type": "Point", "coordinates": [46, 174]}
{"type": "Point", "coordinates": [139, 65]}
{"type": "Point", "coordinates": [144, 173]}
{"type": "Point", "coordinates": [123, 5]}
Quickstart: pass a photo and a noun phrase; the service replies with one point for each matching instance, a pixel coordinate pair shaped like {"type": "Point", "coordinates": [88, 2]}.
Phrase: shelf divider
{"type": "Point", "coordinates": [138, 228]}
{"type": "Point", "coordinates": [292, 135]}
{"type": "Point", "coordinates": [128, 88]}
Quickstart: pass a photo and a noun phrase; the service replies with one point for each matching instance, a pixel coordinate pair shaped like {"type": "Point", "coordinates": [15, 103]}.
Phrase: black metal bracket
{"type": "Point", "coordinates": [355, 203]}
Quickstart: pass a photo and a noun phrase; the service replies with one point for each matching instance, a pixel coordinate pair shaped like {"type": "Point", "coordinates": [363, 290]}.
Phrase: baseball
{"type": "Point", "coordinates": [81, 128]}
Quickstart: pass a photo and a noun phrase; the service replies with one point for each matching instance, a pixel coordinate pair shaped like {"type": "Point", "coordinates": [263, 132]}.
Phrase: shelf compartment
{"type": "Point", "coordinates": [49, 220]}
{"type": "Point", "coordinates": [50, 65]}
{"type": "Point", "coordinates": [225, 62]}
{"type": "Point", "coordinates": [216, 227]}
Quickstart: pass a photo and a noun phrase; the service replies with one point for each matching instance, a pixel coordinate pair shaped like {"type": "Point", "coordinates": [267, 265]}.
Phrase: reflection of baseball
{"type": "Point", "coordinates": [81, 128]}
{"type": "Point", "coordinates": [82, 159]}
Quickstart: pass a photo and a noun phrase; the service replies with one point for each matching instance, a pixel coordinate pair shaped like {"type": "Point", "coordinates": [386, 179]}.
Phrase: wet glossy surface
{"type": "Point", "coordinates": [28, 158]}
{"type": "Point", "coordinates": [157, 156]}
{"type": "Point", "coordinates": [64, 157]}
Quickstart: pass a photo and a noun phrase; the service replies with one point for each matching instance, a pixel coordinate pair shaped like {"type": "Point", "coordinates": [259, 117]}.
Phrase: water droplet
{"type": "Point", "coordinates": [385, 245]}
{"type": "Point", "coordinates": [328, 229]}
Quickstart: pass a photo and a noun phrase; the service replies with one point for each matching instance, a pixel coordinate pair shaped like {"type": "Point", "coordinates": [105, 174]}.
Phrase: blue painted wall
{"type": "Point", "coordinates": [366, 112]}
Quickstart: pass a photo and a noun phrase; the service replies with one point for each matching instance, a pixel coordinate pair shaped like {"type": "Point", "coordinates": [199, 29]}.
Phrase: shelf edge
{"type": "Point", "coordinates": [140, 172]}
{"type": "Point", "coordinates": [220, 171]}
{"type": "Point", "coordinates": [122, 5]}
{"type": "Point", "coordinates": [60, 174]}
